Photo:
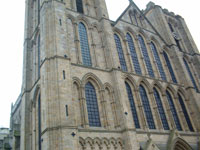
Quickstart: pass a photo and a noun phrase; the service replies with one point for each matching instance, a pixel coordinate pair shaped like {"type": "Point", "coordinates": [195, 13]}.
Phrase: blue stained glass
{"type": "Point", "coordinates": [92, 105]}
{"type": "Point", "coordinates": [173, 111]}
{"type": "Point", "coordinates": [158, 62]}
{"type": "Point", "coordinates": [147, 108]}
{"type": "Point", "coordinates": [133, 54]}
{"type": "Point", "coordinates": [170, 67]}
{"type": "Point", "coordinates": [161, 109]}
{"type": "Point", "coordinates": [120, 52]}
{"type": "Point", "coordinates": [146, 56]}
{"type": "Point", "coordinates": [84, 45]}
{"type": "Point", "coordinates": [132, 104]}
{"type": "Point", "coordinates": [190, 74]}
{"type": "Point", "coordinates": [187, 118]}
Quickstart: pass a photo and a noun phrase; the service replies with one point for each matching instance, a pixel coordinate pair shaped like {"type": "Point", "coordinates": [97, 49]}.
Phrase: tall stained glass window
{"type": "Point", "coordinates": [190, 74]}
{"type": "Point", "coordinates": [147, 108]}
{"type": "Point", "coordinates": [132, 104]}
{"type": "Point", "coordinates": [187, 118]}
{"type": "Point", "coordinates": [173, 111]}
{"type": "Point", "coordinates": [146, 56]}
{"type": "Point", "coordinates": [92, 105]}
{"type": "Point", "coordinates": [169, 66]}
{"type": "Point", "coordinates": [120, 52]}
{"type": "Point", "coordinates": [84, 45]}
{"type": "Point", "coordinates": [158, 61]}
{"type": "Point", "coordinates": [161, 109]}
{"type": "Point", "coordinates": [79, 6]}
{"type": "Point", "coordinates": [133, 54]}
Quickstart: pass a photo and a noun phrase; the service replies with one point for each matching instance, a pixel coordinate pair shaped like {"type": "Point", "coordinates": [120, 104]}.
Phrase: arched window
{"type": "Point", "coordinates": [146, 56]}
{"type": "Point", "coordinates": [84, 45]}
{"type": "Point", "coordinates": [92, 105]}
{"type": "Point", "coordinates": [187, 118]}
{"type": "Point", "coordinates": [169, 67]}
{"type": "Point", "coordinates": [120, 52]}
{"type": "Point", "coordinates": [160, 109]}
{"type": "Point", "coordinates": [132, 104]}
{"type": "Point", "coordinates": [133, 54]}
{"type": "Point", "coordinates": [79, 6]}
{"type": "Point", "coordinates": [173, 111]}
{"type": "Point", "coordinates": [158, 62]}
{"type": "Point", "coordinates": [190, 74]}
{"type": "Point", "coordinates": [147, 108]}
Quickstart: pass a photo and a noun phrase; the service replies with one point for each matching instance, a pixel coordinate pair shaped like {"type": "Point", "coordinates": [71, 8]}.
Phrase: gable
{"type": "Point", "coordinates": [132, 15]}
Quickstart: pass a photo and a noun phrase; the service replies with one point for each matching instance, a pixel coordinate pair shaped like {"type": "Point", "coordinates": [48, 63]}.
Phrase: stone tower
{"type": "Point", "coordinates": [93, 83]}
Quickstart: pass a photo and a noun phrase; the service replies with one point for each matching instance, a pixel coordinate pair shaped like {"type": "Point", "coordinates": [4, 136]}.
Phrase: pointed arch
{"type": "Point", "coordinates": [144, 35]}
{"type": "Point", "coordinates": [172, 90]}
{"type": "Point", "coordinates": [156, 42]}
{"type": "Point", "coordinates": [92, 78]}
{"type": "Point", "coordinates": [143, 81]}
{"type": "Point", "coordinates": [120, 51]}
{"type": "Point", "coordinates": [84, 20]}
{"type": "Point", "coordinates": [180, 144]}
{"type": "Point", "coordinates": [119, 32]}
{"type": "Point", "coordinates": [132, 32]}
{"type": "Point", "coordinates": [129, 79]}
{"type": "Point", "coordinates": [156, 84]}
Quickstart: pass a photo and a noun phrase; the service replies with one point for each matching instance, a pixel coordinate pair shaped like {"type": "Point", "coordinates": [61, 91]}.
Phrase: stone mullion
{"type": "Point", "coordinates": [156, 115]}
{"type": "Point", "coordinates": [84, 116]}
{"type": "Point", "coordinates": [169, 115]}
{"type": "Point", "coordinates": [104, 111]}
{"type": "Point", "coordinates": [93, 48]}
{"type": "Point", "coordinates": [77, 44]}
{"type": "Point", "coordinates": [141, 58]}
{"type": "Point", "coordinates": [153, 61]}
{"type": "Point", "coordinates": [141, 114]}
{"type": "Point", "coordinates": [128, 55]}
{"type": "Point", "coordinates": [113, 105]}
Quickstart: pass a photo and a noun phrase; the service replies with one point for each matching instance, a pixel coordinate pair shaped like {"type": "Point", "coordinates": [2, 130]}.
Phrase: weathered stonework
{"type": "Point", "coordinates": [54, 77]}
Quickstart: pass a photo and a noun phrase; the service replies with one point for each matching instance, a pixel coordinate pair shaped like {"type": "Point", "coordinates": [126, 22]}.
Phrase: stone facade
{"type": "Point", "coordinates": [54, 104]}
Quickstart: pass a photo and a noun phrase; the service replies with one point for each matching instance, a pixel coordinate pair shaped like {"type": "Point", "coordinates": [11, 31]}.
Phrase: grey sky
{"type": "Point", "coordinates": [12, 32]}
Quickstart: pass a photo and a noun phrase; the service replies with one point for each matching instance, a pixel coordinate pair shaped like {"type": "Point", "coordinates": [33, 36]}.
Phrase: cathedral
{"type": "Point", "coordinates": [90, 83]}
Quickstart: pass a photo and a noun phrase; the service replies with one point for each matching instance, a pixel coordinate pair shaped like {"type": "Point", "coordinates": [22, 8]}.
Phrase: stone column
{"type": "Point", "coordinates": [77, 44]}
{"type": "Point", "coordinates": [128, 54]}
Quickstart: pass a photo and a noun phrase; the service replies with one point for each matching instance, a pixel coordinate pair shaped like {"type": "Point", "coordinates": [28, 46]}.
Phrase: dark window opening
{"type": "Point", "coordinates": [79, 6]}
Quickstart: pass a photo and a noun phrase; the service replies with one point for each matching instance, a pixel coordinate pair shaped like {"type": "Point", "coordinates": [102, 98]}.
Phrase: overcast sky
{"type": "Point", "coordinates": [12, 32]}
